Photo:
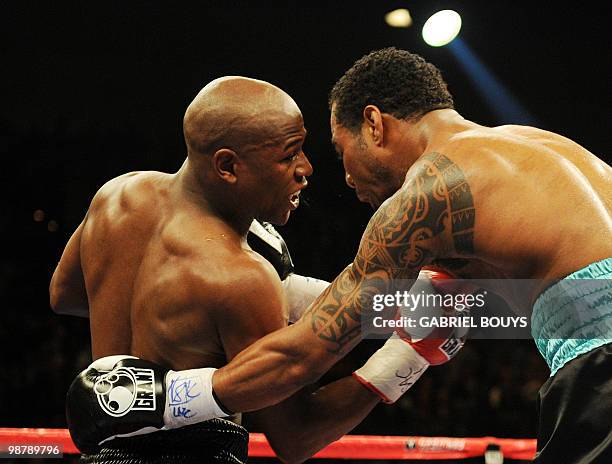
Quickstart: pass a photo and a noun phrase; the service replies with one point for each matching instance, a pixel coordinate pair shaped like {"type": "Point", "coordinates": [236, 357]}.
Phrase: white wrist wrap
{"type": "Point", "coordinates": [392, 370]}
{"type": "Point", "coordinates": [301, 291]}
{"type": "Point", "coordinates": [189, 398]}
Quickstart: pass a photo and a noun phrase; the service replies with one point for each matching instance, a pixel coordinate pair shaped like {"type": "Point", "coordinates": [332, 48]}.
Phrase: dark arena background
{"type": "Point", "coordinates": [92, 90]}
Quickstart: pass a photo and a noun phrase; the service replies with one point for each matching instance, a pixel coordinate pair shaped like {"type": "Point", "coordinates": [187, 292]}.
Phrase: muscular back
{"type": "Point", "coordinates": [159, 272]}
{"type": "Point", "coordinates": [542, 203]}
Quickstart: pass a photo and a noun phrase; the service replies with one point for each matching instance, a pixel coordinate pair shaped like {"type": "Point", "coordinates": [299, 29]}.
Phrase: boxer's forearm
{"type": "Point", "coordinates": [313, 421]}
{"type": "Point", "coordinates": [272, 369]}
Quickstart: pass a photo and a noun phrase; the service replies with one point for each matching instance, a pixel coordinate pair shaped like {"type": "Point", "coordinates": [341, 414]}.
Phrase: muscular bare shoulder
{"type": "Point", "coordinates": [129, 190]}
{"type": "Point", "coordinates": [237, 273]}
{"type": "Point", "coordinates": [430, 217]}
{"type": "Point", "coordinates": [451, 203]}
{"type": "Point", "coordinates": [118, 226]}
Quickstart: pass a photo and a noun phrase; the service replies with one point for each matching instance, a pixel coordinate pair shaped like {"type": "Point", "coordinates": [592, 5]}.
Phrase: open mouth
{"type": "Point", "coordinates": [294, 200]}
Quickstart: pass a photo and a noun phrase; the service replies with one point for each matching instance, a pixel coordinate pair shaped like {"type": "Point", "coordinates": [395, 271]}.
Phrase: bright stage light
{"type": "Point", "coordinates": [441, 28]}
{"type": "Point", "coordinates": [399, 18]}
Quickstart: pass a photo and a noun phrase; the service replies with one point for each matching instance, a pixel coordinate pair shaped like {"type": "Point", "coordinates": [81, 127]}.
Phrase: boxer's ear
{"type": "Point", "coordinates": [373, 122]}
{"type": "Point", "coordinates": [224, 164]}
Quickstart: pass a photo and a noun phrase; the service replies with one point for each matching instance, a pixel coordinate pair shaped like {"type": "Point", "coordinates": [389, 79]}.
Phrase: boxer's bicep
{"type": "Point", "coordinates": [431, 216]}
{"type": "Point", "coordinates": [253, 308]}
{"type": "Point", "coordinates": [67, 291]}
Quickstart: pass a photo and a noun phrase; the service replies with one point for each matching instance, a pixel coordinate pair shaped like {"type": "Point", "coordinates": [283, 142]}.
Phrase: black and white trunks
{"type": "Point", "coordinates": [216, 441]}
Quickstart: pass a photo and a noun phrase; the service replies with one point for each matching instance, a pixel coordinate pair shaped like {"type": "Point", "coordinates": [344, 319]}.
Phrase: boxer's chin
{"type": "Point", "coordinates": [279, 219]}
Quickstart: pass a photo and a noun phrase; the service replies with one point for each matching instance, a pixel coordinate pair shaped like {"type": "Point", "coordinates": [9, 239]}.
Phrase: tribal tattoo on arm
{"type": "Point", "coordinates": [431, 216]}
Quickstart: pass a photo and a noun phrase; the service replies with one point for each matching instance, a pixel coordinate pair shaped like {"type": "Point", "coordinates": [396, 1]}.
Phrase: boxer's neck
{"type": "Point", "coordinates": [434, 129]}
{"type": "Point", "coordinates": [210, 200]}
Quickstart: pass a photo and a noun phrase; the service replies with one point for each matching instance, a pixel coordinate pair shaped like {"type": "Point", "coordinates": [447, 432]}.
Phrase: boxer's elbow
{"type": "Point", "coordinates": [297, 449]}
{"type": "Point", "coordinates": [63, 300]}
{"type": "Point", "coordinates": [288, 456]}
{"type": "Point", "coordinates": [55, 295]}
{"type": "Point", "coordinates": [303, 443]}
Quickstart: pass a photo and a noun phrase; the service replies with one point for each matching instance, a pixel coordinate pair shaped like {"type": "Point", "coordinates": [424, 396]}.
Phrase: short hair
{"type": "Point", "coordinates": [398, 82]}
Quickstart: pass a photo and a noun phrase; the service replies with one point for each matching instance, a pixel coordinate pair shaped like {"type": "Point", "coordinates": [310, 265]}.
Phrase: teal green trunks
{"type": "Point", "coordinates": [574, 316]}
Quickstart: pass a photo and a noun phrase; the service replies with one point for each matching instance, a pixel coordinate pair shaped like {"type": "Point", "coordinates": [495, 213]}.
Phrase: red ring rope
{"type": "Point", "coordinates": [348, 447]}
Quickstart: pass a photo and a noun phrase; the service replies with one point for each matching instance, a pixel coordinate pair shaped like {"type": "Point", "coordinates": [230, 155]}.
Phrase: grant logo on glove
{"type": "Point", "coordinates": [125, 389]}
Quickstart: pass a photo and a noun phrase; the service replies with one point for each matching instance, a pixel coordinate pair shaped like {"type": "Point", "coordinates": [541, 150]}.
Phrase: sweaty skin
{"type": "Point", "coordinates": [506, 202]}
{"type": "Point", "coordinates": [161, 263]}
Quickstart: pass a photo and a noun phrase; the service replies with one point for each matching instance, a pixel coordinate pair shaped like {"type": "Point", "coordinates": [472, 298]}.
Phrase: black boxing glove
{"type": "Point", "coordinates": [265, 240]}
{"type": "Point", "coordinates": [124, 396]}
